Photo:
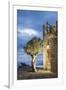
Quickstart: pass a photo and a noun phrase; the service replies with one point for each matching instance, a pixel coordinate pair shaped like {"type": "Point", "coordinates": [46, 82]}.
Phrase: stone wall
{"type": "Point", "coordinates": [50, 49]}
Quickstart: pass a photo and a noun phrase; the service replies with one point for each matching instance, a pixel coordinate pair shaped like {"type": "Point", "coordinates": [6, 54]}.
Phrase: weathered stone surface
{"type": "Point", "coordinates": [50, 48]}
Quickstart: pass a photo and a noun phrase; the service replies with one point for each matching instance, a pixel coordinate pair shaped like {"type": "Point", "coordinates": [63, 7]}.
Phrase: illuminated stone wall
{"type": "Point", "coordinates": [50, 50]}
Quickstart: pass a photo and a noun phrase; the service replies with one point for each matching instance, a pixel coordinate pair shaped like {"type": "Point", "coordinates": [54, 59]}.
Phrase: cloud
{"type": "Point", "coordinates": [29, 32]}
{"type": "Point", "coordinates": [25, 35]}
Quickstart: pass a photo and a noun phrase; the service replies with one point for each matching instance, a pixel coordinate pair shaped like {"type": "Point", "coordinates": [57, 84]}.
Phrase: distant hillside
{"type": "Point", "coordinates": [24, 67]}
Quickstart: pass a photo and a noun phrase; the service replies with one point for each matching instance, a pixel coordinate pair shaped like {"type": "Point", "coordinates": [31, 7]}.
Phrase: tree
{"type": "Point", "coordinates": [33, 47]}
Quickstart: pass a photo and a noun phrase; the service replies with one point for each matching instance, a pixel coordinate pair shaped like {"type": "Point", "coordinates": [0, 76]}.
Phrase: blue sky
{"type": "Point", "coordinates": [29, 24]}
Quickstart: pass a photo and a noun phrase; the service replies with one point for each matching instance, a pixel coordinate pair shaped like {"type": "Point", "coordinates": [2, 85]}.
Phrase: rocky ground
{"type": "Point", "coordinates": [26, 73]}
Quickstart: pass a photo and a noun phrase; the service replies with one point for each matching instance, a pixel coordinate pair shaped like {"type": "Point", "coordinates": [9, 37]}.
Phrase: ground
{"type": "Point", "coordinates": [39, 74]}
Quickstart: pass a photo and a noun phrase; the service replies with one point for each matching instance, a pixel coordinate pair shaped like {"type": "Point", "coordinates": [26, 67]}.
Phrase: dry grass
{"type": "Point", "coordinates": [40, 74]}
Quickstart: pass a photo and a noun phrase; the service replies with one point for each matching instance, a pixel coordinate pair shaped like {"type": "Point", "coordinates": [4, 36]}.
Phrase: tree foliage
{"type": "Point", "coordinates": [34, 46]}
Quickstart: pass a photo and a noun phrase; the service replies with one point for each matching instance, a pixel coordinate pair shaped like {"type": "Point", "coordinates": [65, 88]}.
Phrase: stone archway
{"type": "Point", "coordinates": [39, 60]}
{"type": "Point", "coordinates": [50, 53]}
{"type": "Point", "coordinates": [50, 47]}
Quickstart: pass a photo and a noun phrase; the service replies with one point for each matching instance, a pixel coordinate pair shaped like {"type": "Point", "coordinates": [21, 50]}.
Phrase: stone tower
{"type": "Point", "coordinates": [50, 47]}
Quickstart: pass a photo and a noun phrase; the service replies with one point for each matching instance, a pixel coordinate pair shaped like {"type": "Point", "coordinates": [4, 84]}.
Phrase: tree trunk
{"type": "Point", "coordinates": [33, 64]}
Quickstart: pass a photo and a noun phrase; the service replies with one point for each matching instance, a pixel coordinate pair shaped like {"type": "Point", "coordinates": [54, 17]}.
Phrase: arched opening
{"type": "Point", "coordinates": [39, 61]}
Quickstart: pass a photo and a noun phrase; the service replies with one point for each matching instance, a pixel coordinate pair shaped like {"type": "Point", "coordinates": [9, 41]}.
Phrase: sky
{"type": "Point", "coordinates": [30, 24]}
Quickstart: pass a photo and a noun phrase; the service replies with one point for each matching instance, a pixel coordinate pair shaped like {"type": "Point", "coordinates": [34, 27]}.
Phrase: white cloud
{"type": "Point", "coordinates": [27, 31]}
